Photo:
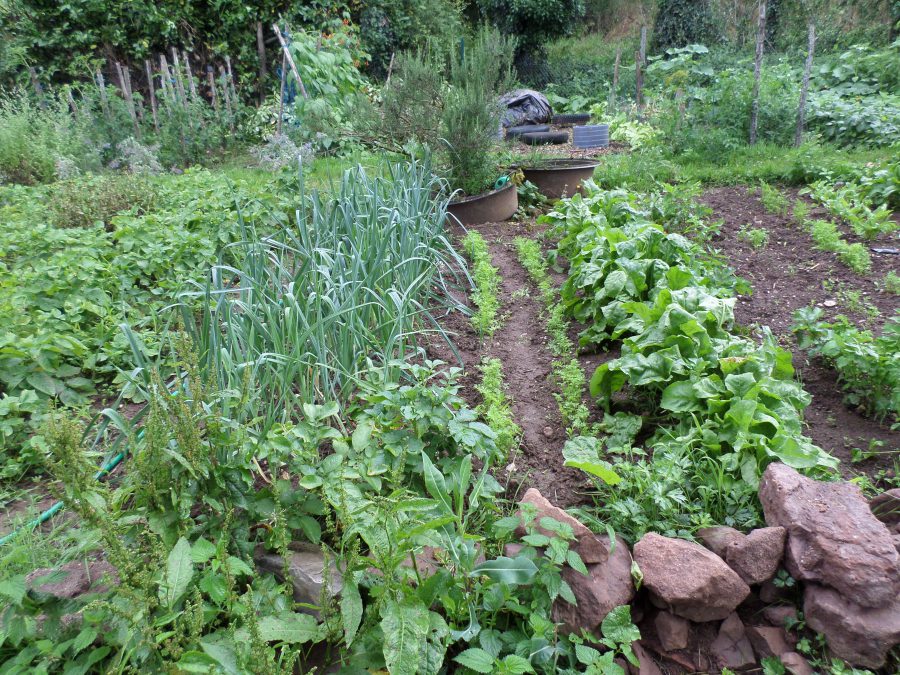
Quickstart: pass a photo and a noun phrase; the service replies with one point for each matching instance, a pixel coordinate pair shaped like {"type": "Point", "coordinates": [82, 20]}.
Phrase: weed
{"type": "Point", "coordinates": [801, 211]}
{"type": "Point", "coordinates": [866, 365]}
{"type": "Point", "coordinates": [757, 237]}
{"type": "Point", "coordinates": [891, 283]}
{"type": "Point", "coordinates": [773, 200]}
{"type": "Point", "coordinates": [487, 284]}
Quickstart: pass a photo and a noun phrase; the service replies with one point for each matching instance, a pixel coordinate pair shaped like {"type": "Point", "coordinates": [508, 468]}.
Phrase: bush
{"type": "Point", "coordinates": [34, 141]}
{"type": "Point", "coordinates": [533, 22]}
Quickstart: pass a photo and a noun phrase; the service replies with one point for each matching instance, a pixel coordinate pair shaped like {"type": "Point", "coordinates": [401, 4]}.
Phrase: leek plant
{"type": "Point", "coordinates": [350, 286]}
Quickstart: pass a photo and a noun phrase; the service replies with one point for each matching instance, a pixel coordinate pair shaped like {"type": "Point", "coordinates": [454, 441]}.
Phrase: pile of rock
{"type": "Point", "coordinates": [715, 606]}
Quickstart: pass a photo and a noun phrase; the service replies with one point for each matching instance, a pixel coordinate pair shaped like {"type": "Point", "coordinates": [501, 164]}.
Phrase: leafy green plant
{"type": "Point", "coordinates": [757, 237]}
{"type": "Point", "coordinates": [867, 365]}
{"type": "Point", "coordinates": [827, 237]}
{"type": "Point", "coordinates": [848, 203]}
{"type": "Point", "coordinates": [856, 257]}
{"type": "Point", "coordinates": [487, 284]}
{"type": "Point", "coordinates": [891, 283]}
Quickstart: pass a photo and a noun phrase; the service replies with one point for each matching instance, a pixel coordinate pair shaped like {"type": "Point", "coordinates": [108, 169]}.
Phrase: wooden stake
{"type": "Point", "coordinates": [234, 96]}
{"type": "Point", "coordinates": [190, 76]}
{"type": "Point", "coordinates": [151, 86]}
{"type": "Point", "coordinates": [126, 94]}
{"type": "Point", "coordinates": [226, 96]}
{"type": "Point", "coordinates": [281, 101]}
{"type": "Point", "coordinates": [104, 102]}
{"type": "Point", "coordinates": [134, 104]}
{"type": "Point", "coordinates": [75, 111]}
{"type": "Point", "coordinates": [643, 45]}
{"type": "Point", "coordinates": [757, 66]}
{"type": "Point", "coordinates": [38, 90]}
{"type": "Point", "coordinates": [211, 81]}
{"type": "Point", "coordinates": [639, 81]}
{"type": "Point", "coordinates": [804, 88]}
{"type": "Point", "coordinates": [613, 94]}
{"type": "Point", "coordinates": [387, 80]}
{"type": "Point", "coordinates": [261, 55]}
{"type": "Point", "coordinates": [290, 59]}
{"type": "Point", "coordinates": [179, 81]}
{"type": "Point", "coordinates": [168, 88]}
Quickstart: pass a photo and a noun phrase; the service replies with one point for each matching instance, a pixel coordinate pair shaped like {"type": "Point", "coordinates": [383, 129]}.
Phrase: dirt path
{"type": "Point", "coordinates": [521, 345]}
{"type": "Point", "coordinates": [789, 274]}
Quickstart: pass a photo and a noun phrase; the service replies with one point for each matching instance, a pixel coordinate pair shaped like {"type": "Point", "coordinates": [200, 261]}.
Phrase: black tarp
{"type": "Point", "coordinates": [525, 106]}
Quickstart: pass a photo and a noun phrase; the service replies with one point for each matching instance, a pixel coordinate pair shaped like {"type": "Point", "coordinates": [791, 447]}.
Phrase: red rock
{"type": "Point", "coordinates": [886, 507]}
{"type": "Point", "coordinates": [769, 592]}
{"type": "Point", "coordinates": [674, 632]}
{"type": "Point", "coordinates": [757, 556]}
{"type": "Point", "coordinates": [608, 585]}
{"type": "Point", "coordinates": [768, 641]}
{"type": "Point", "coordinates": [862, 636]}
{"type": "Point", "coordinates": [718, 538]}
{"type": "Point", "coordinates": [687, 579]}
{"type": "Point", "coordinates": [588, 546]}
{"type": "Point", "coordinates": [778, 615]}
{"type": "Point", "coordinates": [833, 538]}
{"type": "Point", "coordinates": [796, 664]}
{"type": "Point", "coordinates": [73, 579]}
{"type": "Point", "coordinates": [647, 664]}
{"type": "Point", "coordinates": [731, 648]}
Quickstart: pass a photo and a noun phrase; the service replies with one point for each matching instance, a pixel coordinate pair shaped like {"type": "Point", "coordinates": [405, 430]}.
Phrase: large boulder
{"type": "Point", "coordinates": [833, 538]}
{"type": "Point", "coordinates": [687, 579]}
{"type": "Point", "coordinates": [731, 648]}
{"type": "Point", "coordinates": [313, 578]}
{"type": "Point", "coordinates": [862, 636]}
{"type": "Point", "coordinates": [757, 556]}
{"type": "Point", "coordinates": [607, 585]}
{"type": "Point", "coordinates": [591, 548]}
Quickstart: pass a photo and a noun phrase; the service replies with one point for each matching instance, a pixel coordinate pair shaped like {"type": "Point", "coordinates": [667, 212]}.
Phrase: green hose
{"type": "Point", "coordinates": [58, 506]}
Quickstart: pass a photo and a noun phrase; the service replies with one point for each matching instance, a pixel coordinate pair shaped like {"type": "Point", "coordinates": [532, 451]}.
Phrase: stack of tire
{"type": "Point", "coordinates": [540, 134]}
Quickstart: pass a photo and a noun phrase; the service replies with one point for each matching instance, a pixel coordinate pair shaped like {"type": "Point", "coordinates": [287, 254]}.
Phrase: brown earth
{"type": "Point", "coordinates": [789, 274]}
{"type": "Point", "coordinates": [521, 345]}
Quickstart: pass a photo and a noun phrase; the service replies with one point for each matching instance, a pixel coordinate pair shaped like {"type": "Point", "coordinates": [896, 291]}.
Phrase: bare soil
{"type": "Point", "coordinates": [521, 345]}
{"type": "Point", "coordinates": [789, 274]}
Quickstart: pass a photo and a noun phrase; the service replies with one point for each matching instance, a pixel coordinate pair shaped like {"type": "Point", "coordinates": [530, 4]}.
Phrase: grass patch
{"type": "Point", "coordinates": [773, 200]}
{"type": "Point", "coordinates": [487, 283]}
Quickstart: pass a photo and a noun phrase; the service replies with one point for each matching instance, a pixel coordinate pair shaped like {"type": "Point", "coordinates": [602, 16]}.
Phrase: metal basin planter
{"type": "Point", "coordinates": [490, 207]}
{"type": "Point", "coordinates": [556, 178]}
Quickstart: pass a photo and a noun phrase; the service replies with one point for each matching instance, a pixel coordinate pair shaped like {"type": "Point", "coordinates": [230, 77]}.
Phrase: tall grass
{"type": "Point", "coordinates": [348, 287]}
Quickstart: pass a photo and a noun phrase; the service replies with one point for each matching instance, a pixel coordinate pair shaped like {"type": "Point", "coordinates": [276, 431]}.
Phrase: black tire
{"type": "Point", "coordinates": [545, 138]}
{"type": "Point", "coordinates": [515, 132]}
{"type": "Point", "coordinates": [572, 118]}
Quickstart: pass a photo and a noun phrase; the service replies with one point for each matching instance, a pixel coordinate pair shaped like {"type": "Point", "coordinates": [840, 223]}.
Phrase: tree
{"type": "Point", "coordinates": [533, 22]}
{"type": "Point", "coordinates": [683, 22]}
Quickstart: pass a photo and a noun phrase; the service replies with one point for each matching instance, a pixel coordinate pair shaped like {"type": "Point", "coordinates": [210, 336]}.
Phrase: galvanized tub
{"type": "Point", "coordinates": [556, 178]}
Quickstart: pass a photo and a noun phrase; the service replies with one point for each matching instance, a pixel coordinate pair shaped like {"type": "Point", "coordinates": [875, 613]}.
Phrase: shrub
{"type": "Point", "coordinates": [89, 200]}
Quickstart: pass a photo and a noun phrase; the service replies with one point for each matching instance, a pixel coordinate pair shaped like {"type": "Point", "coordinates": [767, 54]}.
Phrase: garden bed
{"type": "Point", "coordinates": [788, 274]}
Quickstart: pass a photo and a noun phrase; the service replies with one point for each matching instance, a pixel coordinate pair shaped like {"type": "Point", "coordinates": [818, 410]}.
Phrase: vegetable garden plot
{"type": "Point", "coordinates": [790, 274]}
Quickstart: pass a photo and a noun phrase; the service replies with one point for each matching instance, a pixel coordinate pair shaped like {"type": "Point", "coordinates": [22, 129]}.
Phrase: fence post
{"type": "Point", "coordinates": [804, 89]}
{"type": "Point", "coordinates": [643, 45]}
{"type": "Point", "coordinates": [152, 88]}
{"type": "Point", "coordinates": [261, 53]}
{"type": "Point", "coordinates": [757, 66]}
{"type": "Point", "coordinates": [639, 81]}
